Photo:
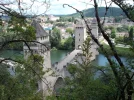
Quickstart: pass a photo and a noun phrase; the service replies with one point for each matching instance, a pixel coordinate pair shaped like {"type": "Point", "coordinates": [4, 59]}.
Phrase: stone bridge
{"type": "Point", "coordinates": [60, 67]}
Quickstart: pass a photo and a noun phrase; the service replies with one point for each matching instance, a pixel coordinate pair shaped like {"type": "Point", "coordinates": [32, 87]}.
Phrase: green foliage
{"type": "Point", "coordinates": [29, 33]}
{"type": "Point", "coordinates": [48, 21]}
{"type": "Point", "coordinates": [131, 32]}
{"type": "Point", "coordinates": [60, 24]}
{"type": "Point", "coordinates": [113, 11]}
{"type": "Point", "coordinates": [83, 85]}
{"type": "Point", "coordinates": [121, 51]}
{"type": "Point", "coordinates": [65, 19]}
{"type": "Point", "coordinates": [124, 28]}
{"type": "Point", "coordinates": [55, 38]}
{"type": "Point", "coordinates": [62, 19]}
{"type": "Point", "coordinates": [68, 44]}
{"type": "Point", "coordinates": [17, 29]}
{"type": "Point", "coordinates": [118, 19]}
{"type": "Point", "coordinates": [108, 27]}
{"type": "Point", "coordinates": [119, 40]}
{"type": "Point", "coordinates": [23, 32]}
{"type": "Point", "coordinates": [23, 84]}
{"type": "Point", "coordinates": [113, 35]}
{"type": "Point", "coordinates": [15, 46]}
{"type": "Point", "coordinates": [70, 30]}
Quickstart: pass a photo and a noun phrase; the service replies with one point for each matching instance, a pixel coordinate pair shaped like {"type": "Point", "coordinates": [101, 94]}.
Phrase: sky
{"type": "Point", "coordinates": [56, 6]}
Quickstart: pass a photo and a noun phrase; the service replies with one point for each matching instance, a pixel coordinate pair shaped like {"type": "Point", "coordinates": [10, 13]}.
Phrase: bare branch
{"type": "Point", "coordinates": [25, 41]}
{"type": "Point", "coordinates": [125, 7]}
{"type": "Point", "coordinates": [107, 8]}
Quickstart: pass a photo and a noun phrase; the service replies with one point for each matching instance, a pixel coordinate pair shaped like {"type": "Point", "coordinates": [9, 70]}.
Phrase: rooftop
{"type": "Point", "coordinates": [40, 32]}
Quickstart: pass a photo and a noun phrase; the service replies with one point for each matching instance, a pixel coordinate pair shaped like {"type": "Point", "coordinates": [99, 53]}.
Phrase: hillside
{"type": "Point", "coordinates": [113, 11]}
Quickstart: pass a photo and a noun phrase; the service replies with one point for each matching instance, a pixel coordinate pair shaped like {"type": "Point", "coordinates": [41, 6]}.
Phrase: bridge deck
{"type": "Point", "coordinates": [59, 67]}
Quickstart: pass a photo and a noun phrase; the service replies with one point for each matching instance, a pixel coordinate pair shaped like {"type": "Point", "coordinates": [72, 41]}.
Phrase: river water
{"type": "Point", "coordinates": [100, 60]}
{"type": "Point", "coordinates": [58, 55]}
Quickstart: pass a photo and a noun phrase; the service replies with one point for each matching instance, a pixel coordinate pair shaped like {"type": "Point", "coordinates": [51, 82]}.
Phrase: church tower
{"type": "Point", "coordinates": [80, 35]}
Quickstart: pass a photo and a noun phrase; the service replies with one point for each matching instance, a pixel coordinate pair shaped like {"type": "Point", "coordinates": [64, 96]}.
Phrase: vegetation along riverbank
{"type": "Point", "coordinates": [126, 52]}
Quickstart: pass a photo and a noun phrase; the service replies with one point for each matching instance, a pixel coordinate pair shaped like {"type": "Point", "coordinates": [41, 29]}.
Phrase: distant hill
{"type": "Point", "coordinates": [113, 11]}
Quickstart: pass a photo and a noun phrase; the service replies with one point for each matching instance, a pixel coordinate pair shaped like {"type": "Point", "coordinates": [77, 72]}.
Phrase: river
{"type": "Point", "coordinates": [100, 60]}
{"type": "Point", "coordinates": [58, 55]}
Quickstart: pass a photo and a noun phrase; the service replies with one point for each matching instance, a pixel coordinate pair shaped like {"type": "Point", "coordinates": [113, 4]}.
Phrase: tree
{"type": "Point", "coordinates": [68, 44]}
{"type": "Point", "coordinates": [73, 19]}
{"type": "Point", "coordinates": [124, 84]}
{"type": "Point", "coordinates": [118, 19]}
{"type": "Point", "coordinates": [69, 30]}
{"type": "Point", "coordinates": [113, 35]}
{"type": "Point", "coordinates": [131, 32]}
{"type": "Point", "coordinates": [55, 38]}
{"type": "Point", "coordinates": [124, 28]}
{"type": "Point", "coordinates": [83, 85]}
{"type": "Point", "coordinates": [23, 84]}
{"type": "Point", "coordinates": [124, 79]}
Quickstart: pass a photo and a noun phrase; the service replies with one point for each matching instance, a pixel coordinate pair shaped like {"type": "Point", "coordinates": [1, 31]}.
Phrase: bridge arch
{"type": "Point", "coordinates": [58, 84]}
{"type": "Point", "coordinates": [79, 46]}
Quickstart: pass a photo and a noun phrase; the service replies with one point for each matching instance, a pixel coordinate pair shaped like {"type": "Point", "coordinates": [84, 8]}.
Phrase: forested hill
{"type": "Point", "coordinates": [113, 11]}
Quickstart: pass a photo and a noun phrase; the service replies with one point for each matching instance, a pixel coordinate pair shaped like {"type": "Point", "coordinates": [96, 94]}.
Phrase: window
{"type": "Point", "coordinates": [79, 34]}
{"type": "Point", "coordinates": [79, 39]}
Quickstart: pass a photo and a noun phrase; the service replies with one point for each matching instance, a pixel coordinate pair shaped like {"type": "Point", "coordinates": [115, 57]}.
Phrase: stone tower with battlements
{"type": "Point", "coordinates": [42, 48]}
{"type": "Point", "coordinates": [49, 84]}
{"type": "Point", "coordinates": [80, 34]}
{"type": "Point", "coordinates": [94, 27]}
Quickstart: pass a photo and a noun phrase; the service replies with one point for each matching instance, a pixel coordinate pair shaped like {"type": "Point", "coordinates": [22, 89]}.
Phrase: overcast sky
{"type": "Point", "coordinates": [56, 6]}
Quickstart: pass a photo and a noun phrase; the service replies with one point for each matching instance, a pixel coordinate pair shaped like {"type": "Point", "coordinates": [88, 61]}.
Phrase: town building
{"type": "Point", "coordinates": [53, 18]}
{"type": "Point", "coordinates": [122, 34]}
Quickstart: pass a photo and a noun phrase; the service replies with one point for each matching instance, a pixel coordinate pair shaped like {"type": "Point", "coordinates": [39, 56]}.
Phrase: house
{"type": "Point", "coordinates": [53, 18]}
{"type": "Point", "coordinates": [121, 34]}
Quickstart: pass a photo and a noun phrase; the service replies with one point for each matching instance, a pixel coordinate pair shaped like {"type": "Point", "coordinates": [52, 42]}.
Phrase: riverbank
{"type": "Point", "coordinates": [125, 52]}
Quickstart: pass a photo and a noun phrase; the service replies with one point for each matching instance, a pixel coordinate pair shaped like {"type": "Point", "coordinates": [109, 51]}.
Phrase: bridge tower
{"type": "Point", "coordinates": [41, 48]}
{"type": "Point", "coordinates": [80, 34]}
{"type": "Point", "coordinates": [94, 28]}
{"type": "Point", "coordinates": [49, 84]}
